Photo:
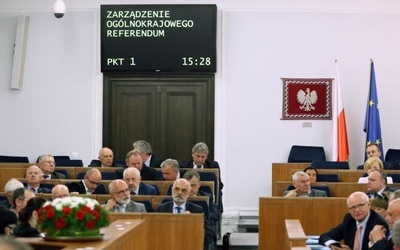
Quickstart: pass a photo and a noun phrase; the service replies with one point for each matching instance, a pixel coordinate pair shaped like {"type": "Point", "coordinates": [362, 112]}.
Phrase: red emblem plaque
{"type": "Point", "coordinates": [307, 99]}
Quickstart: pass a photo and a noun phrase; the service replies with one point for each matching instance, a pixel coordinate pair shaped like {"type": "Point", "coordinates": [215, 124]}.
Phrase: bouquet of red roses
{"type": "Point", "coordinates": [72, 216]}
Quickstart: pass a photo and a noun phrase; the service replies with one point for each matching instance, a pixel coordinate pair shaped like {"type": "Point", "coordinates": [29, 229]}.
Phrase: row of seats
{"type": "Point", "coordinates": [300, 153]}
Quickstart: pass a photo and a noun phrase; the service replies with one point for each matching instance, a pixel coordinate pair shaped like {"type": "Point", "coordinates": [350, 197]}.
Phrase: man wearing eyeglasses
{"type": "Point", "coordinates": [379, 239]}
{"type": "Point", "coordinates": [47, 164]}
{"type": "Point", "coordinates": [355, 227]}
{"type": "Point", "coordinates": [89, 185]}
{"type": "Point", "coordinates": [121, 199]}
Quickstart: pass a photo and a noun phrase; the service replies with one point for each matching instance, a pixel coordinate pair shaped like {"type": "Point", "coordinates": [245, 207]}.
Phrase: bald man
{"type": "Point", "coordinates": [34, 177]}
{"type": "Point", "coordinates": [59, 191]}
{"type": "Point", "coordinates": [90, 183]}
{"type": "Point", "coordinates": [106, 159]}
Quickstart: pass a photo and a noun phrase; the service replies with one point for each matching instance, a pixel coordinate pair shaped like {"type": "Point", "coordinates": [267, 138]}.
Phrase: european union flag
{"type": "Point", "coordinates": [372, 124]}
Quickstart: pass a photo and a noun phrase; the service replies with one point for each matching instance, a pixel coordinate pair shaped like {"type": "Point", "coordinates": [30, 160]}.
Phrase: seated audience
{"type": "Point", "coordinates": [301, 182]}
{"type": "Point", "coordinates": [380, 204]}
{"type": "Point", "coordinates": [356, 225]}
{"type": "Point", "coordinates": [20, 198]}
{"type": "Point", "coordinates": [370, 164]}
{"type": "Point", "coordinates": [170, 170]}
{"type": "Point", "coordinates": [47, 164]}
{"type": "Point", "coordinates": [34, 177]}
{"type": "Point", "coordinates": [199, 160]}
{"type": "Point", "coordinates": [379, 237]}
{"type": "Point", "coordinates": [181, 205]}
{"type": "Point", "coordinates": [9, 189]}
{"type": "Point", "coordinates": [147, 154]}
{"type": "Point", "coordinates": [394, 195]}
{"type": "Point", "coordinates": [134, 160]}
{"type": "Point", "coordinates": [372, 150]}
{"type": "Point", "coordinates": [8, 220]}
{"type": "Point", "coordinates": [28, 218]}
{"type": "Point", "coordinates": [377, 183]}
{"type": "Point", "coordinates": [136, 186]}
{"type": "Point", "coordinates": [59, 191]}
{"type": "Point", "coordinates": [90, 184]}
{"type": "Point", "coordinates": [312, 172]}
{"type": "Point", "coordinates": [106, 159]}
{"type": "Point", "coordinates": [121, 199]}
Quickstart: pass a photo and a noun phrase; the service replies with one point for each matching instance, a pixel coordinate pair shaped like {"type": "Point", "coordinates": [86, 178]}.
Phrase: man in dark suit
{"type": "Point", "coordinates": [121, 199]}
{"type": "Point", "coordinates": [199, 160]}
{"type": "Point", "coordinates": [34, 176]}
{"type": "Point", "coordinates": [136, 187]}
{"type": "Point", "coordinates": [373, 150]}
{"type": "Point", "coordinates": [106, 159]}
{"type": "Point", "coordinates": [301, 182]}
{"type": "Point", "coordinates": [356, 225]}
{"type": "Point", "coordinates": [47, 164]}
{"type": "Point", "coordinates": [147, 154]}
{"type": "Point", "coordinates": [170, 170]}
{"type": "Point", "coordinates": [90, 184]}
{"type": "Point", "coordinates": [377, 180]}
{"type": "Point", "coordinates": [378, 239]}
{"type": "Point", "coordinates": [134, 160]}
{"type": "Point", "coordinates": [180, 205]}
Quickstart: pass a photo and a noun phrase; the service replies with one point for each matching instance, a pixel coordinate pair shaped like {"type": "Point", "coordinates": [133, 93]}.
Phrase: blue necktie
{"type": "Point", "coordinates": [179, 209]}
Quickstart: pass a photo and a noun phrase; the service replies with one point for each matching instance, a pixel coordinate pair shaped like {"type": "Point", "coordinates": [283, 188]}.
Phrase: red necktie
{"type": "Point", "coordinates": [133, 193]}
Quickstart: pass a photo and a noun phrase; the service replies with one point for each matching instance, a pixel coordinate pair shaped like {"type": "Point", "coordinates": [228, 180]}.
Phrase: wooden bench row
{"type": "Point", "coordinates": [162, 186]}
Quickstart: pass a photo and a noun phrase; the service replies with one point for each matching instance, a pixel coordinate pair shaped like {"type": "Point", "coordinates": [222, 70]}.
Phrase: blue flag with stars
{"type": "Point", "coordinates": [372, 124]}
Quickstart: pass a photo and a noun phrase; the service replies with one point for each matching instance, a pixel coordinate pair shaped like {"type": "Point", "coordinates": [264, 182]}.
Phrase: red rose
{"type": "Point", "coordinates": [66, 210]}
{"type": "Point", "coordinates": [86, 209]}
{"type": "Point", "coordinates": [50, 213]}
{"type": "Point", "coordinates": [90, 224]}
{"type": "Point", "coordinates": [96, 214]}
{"type": "Point", "coordinates": [80, 215]}
{"type": "Point", "coordinates": [60, 223]}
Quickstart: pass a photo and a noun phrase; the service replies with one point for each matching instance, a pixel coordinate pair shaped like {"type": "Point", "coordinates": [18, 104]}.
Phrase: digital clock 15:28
{"type": "Point", "coordinates": [200, 61]}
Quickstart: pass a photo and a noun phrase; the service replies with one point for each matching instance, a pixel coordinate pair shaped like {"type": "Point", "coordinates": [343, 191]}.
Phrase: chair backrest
{"type": "Point", "coordinates": [392, 155]}
{"type": "Point", "coordinates": [330, 164]}
{"type": "Point", "coordinates": [69, 163]}
{"type": "Point", "coordinates": [300, 153]}
{"type": "Point", "coordinates": [64, 172]}
{"type": "Point", "coordinates": [80, 175]}
{"type": "Point", "coordinates": [147, 205]}
{"type": "Point", "coordinates": [108, 175]}
{"type": "Point", "coordinates": [101, 189]}
{"type": "Point", "coordinates": [7, 158]}
{"type": "Point", "coordinates": [328, 178]}
{"type": "Point", "coordinates": [395, 177]}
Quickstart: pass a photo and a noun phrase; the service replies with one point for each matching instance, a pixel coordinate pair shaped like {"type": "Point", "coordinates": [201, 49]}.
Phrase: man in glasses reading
{"type": "Point", "coordinates": [355, 227]}
{"type": "Point", "coordinates": [90, 183]}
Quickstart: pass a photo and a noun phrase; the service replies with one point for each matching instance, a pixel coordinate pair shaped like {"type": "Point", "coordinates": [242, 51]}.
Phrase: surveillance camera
{"type": "Point", "coordinates": [59, 8]}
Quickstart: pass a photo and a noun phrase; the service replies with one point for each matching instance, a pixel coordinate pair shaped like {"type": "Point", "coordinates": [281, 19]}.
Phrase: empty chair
{"type": "Point", "coordinates": [306, 153]}
{"type": "Point", "coordinates": [68, 163]}
{"type": "Point", "coordinates": [330, 164]}
{"type": "Point", "coordinates": [392, 155]}
{"type": "Point", "coordinates": [7, 158]}
{"type": "Point", "coordinates": [328, 178]}
{"type": "Point", "coordinates": [108, 175]}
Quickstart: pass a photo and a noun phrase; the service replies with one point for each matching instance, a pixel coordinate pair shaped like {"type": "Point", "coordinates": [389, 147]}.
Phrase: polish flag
{"type": "Point", "coordinates": [340, 146]}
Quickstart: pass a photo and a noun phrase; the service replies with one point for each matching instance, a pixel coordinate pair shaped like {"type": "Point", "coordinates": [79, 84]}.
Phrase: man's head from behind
{"type": "Point", "coordinates": [373, 150]}
{"type": "Point", "coordinates": [47, 164]}
{"type": "Point", "coordinates": [170, 169]}
{"type": "Point", "coordinates": [10, 187]}
{"type": "Point", "coordinates": [199, 153]}
{"type": "Point", "coordinates": [106, 157]}
{"type": "Point", "coordinates": [376, 180]}
{"type": "Point", "coordinates": [180, 191]}
{"type": "Point", "coordinates": [301, 181]}
{"type": "Point", "coordinates": [59, 191]}
{"type": "Point", "coordinates": [359, 205]}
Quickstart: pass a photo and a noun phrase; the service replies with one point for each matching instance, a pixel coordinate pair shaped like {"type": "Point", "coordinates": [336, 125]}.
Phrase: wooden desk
{"type": "Point", "coordinates": [295, 236]}
{"type": "Point", "coordinates": [121, 234]}
{"type": "Point", "coordinates": [316, 215]}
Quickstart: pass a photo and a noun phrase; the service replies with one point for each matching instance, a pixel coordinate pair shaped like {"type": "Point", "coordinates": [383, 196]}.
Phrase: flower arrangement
{"type": "Point", "coordinates": [72, 216]}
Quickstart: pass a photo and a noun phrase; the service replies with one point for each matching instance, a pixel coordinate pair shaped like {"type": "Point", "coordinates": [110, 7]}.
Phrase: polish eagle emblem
{"type": "Point", "coordinates": [307, 99]}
